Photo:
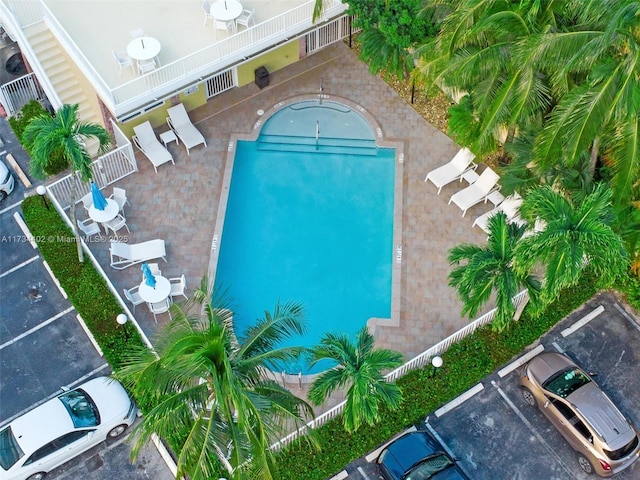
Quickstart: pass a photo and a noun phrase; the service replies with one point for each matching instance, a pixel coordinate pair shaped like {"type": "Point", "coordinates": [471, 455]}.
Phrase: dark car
{"type": "Point", "coordinates": [418, 456]}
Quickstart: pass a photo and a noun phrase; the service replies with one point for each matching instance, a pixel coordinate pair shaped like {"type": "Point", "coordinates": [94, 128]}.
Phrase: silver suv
{"type": "Point", "coordinates": [603, 438]}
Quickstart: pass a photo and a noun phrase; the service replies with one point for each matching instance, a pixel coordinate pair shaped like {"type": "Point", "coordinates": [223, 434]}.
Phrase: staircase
{"type": "Point", "coordinates": [70, 84]}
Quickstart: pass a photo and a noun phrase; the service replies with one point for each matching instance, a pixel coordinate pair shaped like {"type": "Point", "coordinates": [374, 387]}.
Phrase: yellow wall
{"type": "Point", "coordinates": [272, 61]}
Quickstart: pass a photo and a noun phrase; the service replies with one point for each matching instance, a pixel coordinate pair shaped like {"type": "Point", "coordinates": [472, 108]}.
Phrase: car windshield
{"type": "Point", "coordinates": [565, 382]}
{"type": "Point", "coordinates": [10, 451]}
{"type": "Point", "coordinates": [427, 468]}
{"type": "Point", "coordinates": [82, 410]}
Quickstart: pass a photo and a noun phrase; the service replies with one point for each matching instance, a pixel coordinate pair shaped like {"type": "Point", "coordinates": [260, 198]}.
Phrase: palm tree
{"type": "Point", "coordinates": [210, 393]}
{"type": "Point", "coordinates": [359, 368]}
{"type": "Point", "coordinates": [481, 271]}
{"type": "Point", "coordinates": [577, 235]}
{"type": "Point", "coordinates": [48, 136]}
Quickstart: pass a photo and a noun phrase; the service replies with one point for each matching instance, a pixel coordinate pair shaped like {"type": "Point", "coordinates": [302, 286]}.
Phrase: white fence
{"type": "Point", "coordinates": [107, 169]}
{"type": "Point", "coordinates": [19, 92]}
{"type": "Point", "coordinates": [417, 362]}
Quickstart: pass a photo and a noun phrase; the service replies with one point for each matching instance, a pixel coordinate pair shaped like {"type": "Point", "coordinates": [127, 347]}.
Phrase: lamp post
{"type": "Point", "coordinates": [42, 191]}
{"type": "Point", "coordinates": [122, 320]}
{"type": "Point", "coordinates": [436, 362]}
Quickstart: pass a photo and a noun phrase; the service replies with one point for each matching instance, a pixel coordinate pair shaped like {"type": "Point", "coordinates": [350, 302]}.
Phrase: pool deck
{"type": "Point", "coordinates": [179, 204]}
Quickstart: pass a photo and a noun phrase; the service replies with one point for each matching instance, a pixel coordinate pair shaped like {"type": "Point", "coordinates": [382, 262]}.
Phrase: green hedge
{"type": "Point", "coordinates": [85, 287]}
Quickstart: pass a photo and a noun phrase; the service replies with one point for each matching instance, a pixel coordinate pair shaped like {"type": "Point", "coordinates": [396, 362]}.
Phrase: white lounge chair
{"type": "Point", "coordinates": [477, 191]}
{"type": "Point", "coordinates": [180, 123]}
{"type": "Point", "coordinates": [124, 255]}
{"type": "Point", "coordinates": [509, 206]}
{"type": "Point", "coordinates": [147, 142]}
{"type": "Point", "coordinates": [447, 173]}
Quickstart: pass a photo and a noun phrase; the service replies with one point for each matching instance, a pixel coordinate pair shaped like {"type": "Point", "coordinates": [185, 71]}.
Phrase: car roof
{"type": "Point", "coordinates": [404, 452]}
{"type": "Point", "coordinates": [41, 425]}
{"type": "Point", "coordinates": [602, 415]}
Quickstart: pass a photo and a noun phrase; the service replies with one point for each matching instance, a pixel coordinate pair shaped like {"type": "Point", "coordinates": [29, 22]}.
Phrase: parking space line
{"type": "Point", "coordinates": [520, 361]}
{"type": "Point", "coordinates": [373, 455]}
{"type": "Point", "coordinates": [14, 164]}
{"type": "Point", "coordinates": [11, 207]}
{"type": "Point", "coordinates": [25, 229]}
{"type": "Point", "coordinates": [582, 322]}
{"type": "Point", "coordinates": [36, 328]}
{"type": "Point", "coordinates": [557, 347]}
{"type": "Point", "coordinates": [459, 400]}
{"type": "Point", "coordinates": [627, 316]}
{"type": "Point", "coordinates": [90, 335]}
{"type": "Point", "coordinates": [524, 420]}
{"type": "Point", "coordinates": [55, 280]}
{"type": "Point", "coordinates": [19, 266]}
{"type": "Point", "coordinates": [53, 395]}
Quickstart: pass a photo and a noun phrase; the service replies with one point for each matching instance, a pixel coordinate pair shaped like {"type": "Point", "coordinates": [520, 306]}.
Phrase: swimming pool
{"type": "Point", "coordinates": [310, 219]}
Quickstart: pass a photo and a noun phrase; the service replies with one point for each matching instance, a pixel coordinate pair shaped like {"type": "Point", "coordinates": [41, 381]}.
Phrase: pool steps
{"type": "Point", "coordinates": [345, 146]}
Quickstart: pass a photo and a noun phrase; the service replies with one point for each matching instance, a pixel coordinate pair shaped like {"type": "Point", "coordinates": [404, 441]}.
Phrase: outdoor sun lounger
{"type": "Point", "coordinates": [447, 173]}
{"type": "Point", "coordinates": [477, 191]}
{"type": "Point", "coordinates": [180, 123]}
{"type": "Point", "coordinates": [509, 206]}
{"type": "Point", "coordinates": [124, 255]}
{"type": "Point", "coordinates": [145, 139]}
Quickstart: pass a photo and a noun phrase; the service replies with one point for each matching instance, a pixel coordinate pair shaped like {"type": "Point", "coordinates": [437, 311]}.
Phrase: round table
{"type": "Point", "coordinates": [155, 294]}
{"type": "Point", "coordinates": [226, 10]}
{"type": "Point", "coordinates": [109, 213]}
{"type": "Point", "coordinates": [143, 48]}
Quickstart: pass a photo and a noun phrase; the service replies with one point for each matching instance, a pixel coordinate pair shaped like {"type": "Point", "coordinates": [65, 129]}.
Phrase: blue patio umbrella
{"type": "Point", "coordinates": [98, 198]}
{"type": "Point", "coordinates": [149, 279]}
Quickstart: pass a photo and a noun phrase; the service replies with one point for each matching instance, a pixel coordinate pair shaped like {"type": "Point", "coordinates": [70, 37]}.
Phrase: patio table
{"type": "Point", "coordinates": [155, 294]}
{"type": "Point", "coordinates": [109, 213]}
{"type": "Point", "coordinates": [143, 48]}
{"type": "Point", "coordinates": [226, 10]}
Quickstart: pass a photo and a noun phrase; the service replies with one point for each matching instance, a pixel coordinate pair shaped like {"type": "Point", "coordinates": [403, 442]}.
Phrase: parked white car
{"type": "Point", "coordinates": [6, 181]}
{"type": "Point", "coordinates": [64, 427]}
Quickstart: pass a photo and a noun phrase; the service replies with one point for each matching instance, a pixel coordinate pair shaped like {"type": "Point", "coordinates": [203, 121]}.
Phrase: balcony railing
{"type": "Point", "coordinates": [177, 75]}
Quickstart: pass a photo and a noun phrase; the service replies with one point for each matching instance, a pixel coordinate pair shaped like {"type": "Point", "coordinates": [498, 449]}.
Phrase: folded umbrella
{"type": "Point", "coordinates": [149, 279]}
{"type": "Point", "coordinates": [98, 198]}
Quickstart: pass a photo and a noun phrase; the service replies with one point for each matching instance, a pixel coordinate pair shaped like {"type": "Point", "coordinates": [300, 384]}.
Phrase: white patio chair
{"type": "Point", "coordinates": [145, 139]}
{"type": "Point", "coordinates": [137, 33]}
{"type": "Point", "coordinates": [116, 224]}
{"type": "Point", "coordinates": [179, 121]}
{"type": "Point", "coordinates": [206, 8]}
{"type": "Point", "coordinates": [154, 269]}
{"type": "Point", "coordinates": [89, 228]}
{"type": "Point", "coordinates": [123, 60]}
{"type": "Point", "coordinates": [87, 201]}
{"type": "Point", "coordinates": [246, 18]}
{"type": "Point", "coordinates": [120, 196]}
{"type": "Point", "coordinates": [477, 191]}
{"type": "Point", "coordinates": [509, 206]}
{"type": "Point", "coordinates": [146, 66]}
{"type": "Point", "coordinates": [229, 26]}
{"type": "Point", "coordinates": [178, 286]}
{"type": "Point", "coordinates": [133, 296]}
{"type": "Point", "coordinates": [461, 163]}
{"type": "Point", "coordinates": [160, 307]}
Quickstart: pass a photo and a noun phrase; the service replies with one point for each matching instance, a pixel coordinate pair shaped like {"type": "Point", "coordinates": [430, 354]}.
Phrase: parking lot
{"type": "Point", "coordinates": [43, 344]}
{"type": "Point", "coordinates": [495, 434]}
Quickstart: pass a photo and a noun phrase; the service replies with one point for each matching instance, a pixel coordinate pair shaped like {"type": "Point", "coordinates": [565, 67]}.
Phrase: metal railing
{"type": "Point", "coordinates": [417, 362]}
{"type": "Point", "coordinates": [107, 169]}
{"type": "Point", "coordinates": [17, 93]}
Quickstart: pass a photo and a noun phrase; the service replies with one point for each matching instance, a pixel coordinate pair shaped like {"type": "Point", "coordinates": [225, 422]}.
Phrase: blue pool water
{"type": "Point", "coordinates": [310, 223]}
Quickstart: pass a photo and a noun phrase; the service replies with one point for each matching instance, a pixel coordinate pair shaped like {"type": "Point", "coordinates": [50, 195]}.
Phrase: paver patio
{"type": "Point", "coordinates": [179, 203]}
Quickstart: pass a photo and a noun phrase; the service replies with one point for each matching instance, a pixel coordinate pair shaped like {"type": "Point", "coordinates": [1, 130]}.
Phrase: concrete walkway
{"type": "Point", "coordinates": [179, 203]}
